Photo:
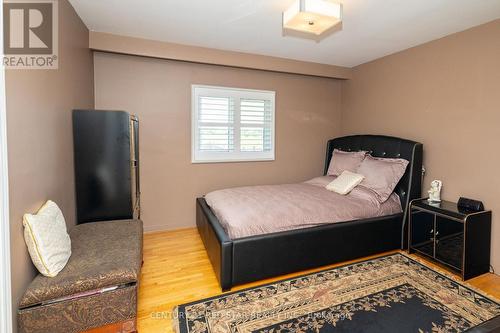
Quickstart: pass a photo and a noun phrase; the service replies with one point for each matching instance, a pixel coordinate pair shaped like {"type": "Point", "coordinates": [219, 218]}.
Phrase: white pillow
{"type": "Point", "coordinates": [344, 183]}
{"type": "Point", "coordinates": [47, 239]}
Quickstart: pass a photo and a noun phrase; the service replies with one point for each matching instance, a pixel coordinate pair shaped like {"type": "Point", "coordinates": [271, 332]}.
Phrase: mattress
{"type": "Point", "coordinates": [257, 210]}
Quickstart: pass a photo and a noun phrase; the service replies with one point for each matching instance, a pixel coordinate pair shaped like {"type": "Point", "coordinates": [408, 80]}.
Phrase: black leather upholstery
{"type": "Point", "coordinates": [410, 185]}
{"type": "Point", "coordinates": [280, 253]}
{"type": "Point", "coordinates": [387, 147]}
{"type": "Point", "coordinates": [253, 258]}
{"type": "Point", "coordinates": [217, 243]}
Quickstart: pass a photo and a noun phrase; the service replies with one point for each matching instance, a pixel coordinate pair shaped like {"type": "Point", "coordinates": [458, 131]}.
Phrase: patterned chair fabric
{"type": "Point", "coordinates": [105, 256]}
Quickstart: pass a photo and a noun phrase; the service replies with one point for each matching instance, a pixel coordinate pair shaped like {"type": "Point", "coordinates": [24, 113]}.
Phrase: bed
{"type": "Point", "coordinates": [246, 259]}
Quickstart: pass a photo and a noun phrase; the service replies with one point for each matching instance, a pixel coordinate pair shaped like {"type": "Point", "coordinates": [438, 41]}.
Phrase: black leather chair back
{"type": "Point", "coordinates": [410, 185]}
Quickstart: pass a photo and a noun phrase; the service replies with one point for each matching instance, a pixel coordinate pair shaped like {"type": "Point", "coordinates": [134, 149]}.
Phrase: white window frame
{"type": "Point", "coordinates": [236, 93]}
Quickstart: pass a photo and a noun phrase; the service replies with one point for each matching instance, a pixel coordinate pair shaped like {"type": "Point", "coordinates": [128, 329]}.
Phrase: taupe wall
{"type": "Point", "coordinates": [104, 42]}
{"type": "Point", "coordinates": [39, 104]}
{"type": "Point", "coordinates": [159, 92]}
{"type": "Point", "coordinates": [446, 94]}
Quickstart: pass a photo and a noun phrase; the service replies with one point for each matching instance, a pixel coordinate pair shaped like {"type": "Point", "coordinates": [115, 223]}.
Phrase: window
{"type": "Point", "coordinates": [230, 125]}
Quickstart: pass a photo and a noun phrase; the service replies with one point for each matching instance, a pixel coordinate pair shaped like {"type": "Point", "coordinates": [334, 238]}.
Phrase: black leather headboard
{"type": "Point", "coordinates": [410, 185]}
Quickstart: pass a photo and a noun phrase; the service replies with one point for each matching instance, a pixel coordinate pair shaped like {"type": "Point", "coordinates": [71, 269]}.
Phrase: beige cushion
{"type": "Point", "coordinates": [344, 183]}
{"type": "Point", "coordinates": [47, 239]}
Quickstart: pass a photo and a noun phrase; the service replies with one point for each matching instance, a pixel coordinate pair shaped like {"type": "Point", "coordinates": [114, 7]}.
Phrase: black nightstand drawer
{"type": "Point", "coordinates": [457, 239]}
{"type": "Point", "coordinates": [422, 232]}
{"type": "Point", "coordinates": [449, 242]}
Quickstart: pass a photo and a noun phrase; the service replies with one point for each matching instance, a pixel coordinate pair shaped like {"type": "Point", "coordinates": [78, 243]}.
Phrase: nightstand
{"type": "Point", "coordinates": [457, 239]}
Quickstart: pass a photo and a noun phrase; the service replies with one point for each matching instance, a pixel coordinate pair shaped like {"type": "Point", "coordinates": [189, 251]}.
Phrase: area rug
{"type": "Point", "coordinates": [392, 293]}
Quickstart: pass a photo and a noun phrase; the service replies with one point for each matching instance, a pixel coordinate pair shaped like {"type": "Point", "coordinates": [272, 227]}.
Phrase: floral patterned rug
{"type": "Point", "coordinates": [392, 293]}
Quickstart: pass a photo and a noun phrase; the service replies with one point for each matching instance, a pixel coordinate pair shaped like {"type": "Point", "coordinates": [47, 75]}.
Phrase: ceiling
{"type": "Point", "coordinates": [371, 28]}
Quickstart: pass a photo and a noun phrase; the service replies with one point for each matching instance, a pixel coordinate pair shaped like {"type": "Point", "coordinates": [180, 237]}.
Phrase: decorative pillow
{"type": "Point", "coordinates": [344, 183]}
{"type": "Point", "coordinates": [47, 239]}
{"type": "Point", "coordinates": [382, 175]}
{"type": "Point", "coordinates": [343, 160]}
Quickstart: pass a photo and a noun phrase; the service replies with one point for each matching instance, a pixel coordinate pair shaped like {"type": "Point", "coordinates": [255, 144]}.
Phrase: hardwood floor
{"type": "Point", "coordinates": [177, 270]}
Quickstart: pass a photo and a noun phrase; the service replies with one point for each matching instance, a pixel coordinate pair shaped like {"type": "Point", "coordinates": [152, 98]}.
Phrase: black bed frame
{"type": "Point", "coordinates": [254, 258]}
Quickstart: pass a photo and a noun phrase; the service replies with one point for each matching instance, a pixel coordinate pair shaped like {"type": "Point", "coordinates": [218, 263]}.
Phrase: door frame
{"type": "Point", "coordinates": [5, 273]}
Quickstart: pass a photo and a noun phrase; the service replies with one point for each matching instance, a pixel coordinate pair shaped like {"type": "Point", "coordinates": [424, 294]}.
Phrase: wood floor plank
{"type": "Point", "coordinates": [177, 270]}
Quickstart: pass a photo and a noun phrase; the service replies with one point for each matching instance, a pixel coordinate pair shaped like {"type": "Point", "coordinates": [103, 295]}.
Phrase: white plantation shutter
{"type": "Point", "coordinates": [232, 124]}
{"type": "Point", "coordinates": [256, 122]}
{"type": "Point", "coordinates": [216, 124]}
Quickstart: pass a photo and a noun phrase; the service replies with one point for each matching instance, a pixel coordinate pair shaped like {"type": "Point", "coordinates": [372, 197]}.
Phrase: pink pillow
{"type": "Point", "coordinates": [382, 175]}
{"type": "Point", "coordinates": [343, 160]}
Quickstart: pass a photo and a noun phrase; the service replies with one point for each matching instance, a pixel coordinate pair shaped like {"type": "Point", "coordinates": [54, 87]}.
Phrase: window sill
{"type": "Point", "coordinates": [242, 160]}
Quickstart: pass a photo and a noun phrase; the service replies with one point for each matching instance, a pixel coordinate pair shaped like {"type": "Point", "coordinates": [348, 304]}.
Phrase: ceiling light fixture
{"type": "Point", "coordinates": [312, 16]}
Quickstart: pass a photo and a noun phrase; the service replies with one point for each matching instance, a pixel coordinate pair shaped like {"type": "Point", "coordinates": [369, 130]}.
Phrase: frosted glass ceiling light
{"type": "Point", "coordinates": [312, 16]}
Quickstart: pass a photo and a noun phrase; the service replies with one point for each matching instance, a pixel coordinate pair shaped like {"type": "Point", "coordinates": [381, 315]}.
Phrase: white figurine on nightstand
{"type": "Point", "coordinates": [435, 191]}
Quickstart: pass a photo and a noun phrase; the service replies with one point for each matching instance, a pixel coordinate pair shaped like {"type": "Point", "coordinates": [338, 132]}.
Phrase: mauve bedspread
{"type": "Point", "coordinates": [257, 210]}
